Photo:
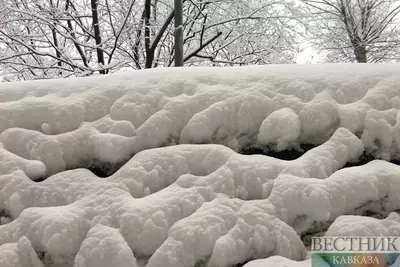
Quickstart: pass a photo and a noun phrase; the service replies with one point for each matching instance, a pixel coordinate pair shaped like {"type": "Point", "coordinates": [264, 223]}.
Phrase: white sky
{"type": "Point", "coordinates": [308, 56]}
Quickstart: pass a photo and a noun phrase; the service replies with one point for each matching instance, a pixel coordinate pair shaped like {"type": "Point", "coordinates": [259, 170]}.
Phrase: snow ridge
{"type": "Point", "coordinates": [174, 223]}
{"type": "Point", "coordinates": [109, 119]}
{"type": "Point", "coordinates": [185, 197]}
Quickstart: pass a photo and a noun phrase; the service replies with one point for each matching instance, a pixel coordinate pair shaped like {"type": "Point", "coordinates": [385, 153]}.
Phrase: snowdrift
{"type": "Point", "coordinates": [180, 193]}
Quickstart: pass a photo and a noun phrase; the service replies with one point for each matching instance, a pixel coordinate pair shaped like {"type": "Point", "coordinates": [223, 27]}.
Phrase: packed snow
{"type": "Point", "coordinates": [185, 195]}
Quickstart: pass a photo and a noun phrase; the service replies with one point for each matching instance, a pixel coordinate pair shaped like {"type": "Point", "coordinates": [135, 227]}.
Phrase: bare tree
{"type": "Point", "coordinates": [61, 38]}
{"type": "Point", "coordinates": [356, 30]}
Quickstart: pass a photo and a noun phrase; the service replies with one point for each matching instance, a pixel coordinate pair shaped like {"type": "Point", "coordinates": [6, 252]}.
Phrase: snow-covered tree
{"type": "Point", "coordinates": [356, 30]}
{"type": "Point", "coordinates": [61, 38]}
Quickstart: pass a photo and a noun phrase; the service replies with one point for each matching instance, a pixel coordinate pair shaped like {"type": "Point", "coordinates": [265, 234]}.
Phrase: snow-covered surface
{"type": "Point", "coordinates": [278, 261]}
{"type": "Point", "coordinates": [354, 225]}
{"type": "Point", "coordinates": [185, 197]}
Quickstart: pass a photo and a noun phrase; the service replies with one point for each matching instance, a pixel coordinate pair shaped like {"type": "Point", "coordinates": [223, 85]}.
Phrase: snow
{"type": "Point", "coordinates": [278, 261]}
{"type": "Point", "coordinates": [20, 254]}
{"type": "Point", "coordinates": [184, 195]}
{"type": "Point", "coordinates": [351, 225]}
{"type": "Point", "coordinates": [281, 127]}
{"type": "Point", "coordinates": [234, 106]}
{"type": "Point", "coordinates": [10, 162]}
{"type": "Point", "coordinates": [67, 150]}
{"type": "Point", "coordinates": [104, 246]}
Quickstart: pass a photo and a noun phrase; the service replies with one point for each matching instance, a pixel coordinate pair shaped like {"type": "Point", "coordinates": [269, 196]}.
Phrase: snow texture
{"type": "Point", "coordinates": [20, 253]}
{"type": "Point", "coordinates": [365, 226]}
{"type": "Point", "coordinates": [278, 261]}
{"type": "Point", "coordinates": [185, 196]}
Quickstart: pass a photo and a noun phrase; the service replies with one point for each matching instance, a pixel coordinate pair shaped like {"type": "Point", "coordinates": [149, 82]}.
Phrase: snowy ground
{"type": "Point", "coordinates": [178, 193]}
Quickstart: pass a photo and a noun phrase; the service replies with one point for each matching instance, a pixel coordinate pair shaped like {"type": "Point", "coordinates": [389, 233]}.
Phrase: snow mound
{"type": "Point", "coordinates": [281, 127]}
{"type": "Point", "coordinates": [343, 191]}
{"type": "Point", "coordinates": [104, 246]}
{"type": "Point", "coordinates": [185, 196]}
{"type": "Point", "coordinates": [111, 118]}
{"type": "Point", "coordinates": [191, 205]}
{"type": "Point", "coordinates": [365, 226]}
{"type": "Point", "coordinates": [10, 162]}
{"type": "Point", "coordinates": [65, 151]}
{"type": "Point", "coordinates": [230, 234]}
{"type": "Point", "coordinates": [19, 254]}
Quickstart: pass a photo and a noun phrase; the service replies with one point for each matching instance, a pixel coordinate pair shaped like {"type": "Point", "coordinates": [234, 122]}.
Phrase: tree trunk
{"type": "Point", "coordinates": [178, 9]}
{"type": "Point", "coordinates": [147, 33]}
{"type": "Point", "coordinates": [97, 35]}
{"type": "Point", "coordinates": [361, 54]}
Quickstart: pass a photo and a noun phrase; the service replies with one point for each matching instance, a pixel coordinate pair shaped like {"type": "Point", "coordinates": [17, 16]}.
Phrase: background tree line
{"type": "Point", "coordinates": [355, 30]}
{"type": "Point", "coordinates": [61, 38]}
